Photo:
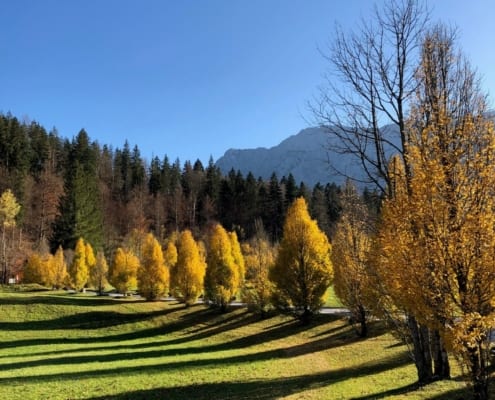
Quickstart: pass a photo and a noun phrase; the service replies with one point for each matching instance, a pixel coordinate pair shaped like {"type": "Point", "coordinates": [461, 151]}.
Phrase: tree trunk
{"type": "Point", "coordinates": [363, 328]}
{"type": "Point", "coordinates": [441, 363]}
{"type": "Point", "coordinates": [479, 373]}
{"type": "Point", "coordinates": [421, 350]}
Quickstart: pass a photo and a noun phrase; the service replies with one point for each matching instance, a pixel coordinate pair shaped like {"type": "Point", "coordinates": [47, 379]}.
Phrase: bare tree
{"type": "Point", "coordinates": [369, 84]}
{"type": "Point", "coordinates": [363, 105]}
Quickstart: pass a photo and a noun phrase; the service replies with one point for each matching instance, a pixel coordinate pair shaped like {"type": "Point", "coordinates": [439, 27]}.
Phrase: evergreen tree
{"type": "Point", "coordinates": [80, 207]}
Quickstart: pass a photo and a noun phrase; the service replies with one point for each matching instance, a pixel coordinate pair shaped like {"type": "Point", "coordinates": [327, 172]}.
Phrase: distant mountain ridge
{"type": "Point", "coordinates": [304, 155]}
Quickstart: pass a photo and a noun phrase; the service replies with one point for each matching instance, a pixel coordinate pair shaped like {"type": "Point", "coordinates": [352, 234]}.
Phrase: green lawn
{"type": "Point", "coordinates": [59, 346]}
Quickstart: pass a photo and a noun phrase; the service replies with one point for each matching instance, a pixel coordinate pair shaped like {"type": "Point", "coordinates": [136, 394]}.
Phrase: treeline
{"type": "Point", "coordinates": [76, 188]}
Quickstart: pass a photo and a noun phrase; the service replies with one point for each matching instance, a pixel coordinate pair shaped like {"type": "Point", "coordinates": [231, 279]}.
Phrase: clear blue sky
{"type": "Point", "coordinates": [186, 78]}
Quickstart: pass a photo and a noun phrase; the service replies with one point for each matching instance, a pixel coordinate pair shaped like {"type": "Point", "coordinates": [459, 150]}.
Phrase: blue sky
{"type": "Point", "coordinates": [187, 78]}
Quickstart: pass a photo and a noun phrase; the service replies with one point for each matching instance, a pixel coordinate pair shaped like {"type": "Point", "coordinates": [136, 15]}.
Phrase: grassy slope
{"type": "Point", "coordinates": [57, 346]}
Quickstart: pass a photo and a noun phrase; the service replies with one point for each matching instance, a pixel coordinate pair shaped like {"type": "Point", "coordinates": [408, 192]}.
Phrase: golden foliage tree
{"type": "Point", "coordinates": [222, 277]}
{"type": "Point", "coordinates": [350, 252]}
{"type": "Point", "coordinates": [9, 208]}
{"type": "Point", "coordinates": [303, 269]}
{"type": "Point", "coordinates": [98, 273]}
{"type": "Point", "coordinates": [34, 270]}
{"type": "Point", "coordinates": [59, 268]}
{"type": "Point", "coordinates": [79, 270]}
{"type": "Point", "coordinates": [123, 270]}
{"type": "Point", "coordinates": [153, 274]}
{"type": "Point", "coordinates": [259, 256]}
{"type": "Point", "coordinates": [187, 274]}
{"type": "Point", "coordinates": [437, 240]}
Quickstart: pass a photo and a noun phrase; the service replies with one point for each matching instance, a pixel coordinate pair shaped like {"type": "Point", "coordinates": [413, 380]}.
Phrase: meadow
{"type": "Point", "coordinates": [56, 345]}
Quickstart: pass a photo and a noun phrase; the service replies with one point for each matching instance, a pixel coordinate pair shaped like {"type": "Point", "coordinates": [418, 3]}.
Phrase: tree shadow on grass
{"type": "Point", "coordinates": [132, 351]}
{"type": "Point", "coordinates": [275, 387]}
{"type": "Point", "coordinates": [59, 299]}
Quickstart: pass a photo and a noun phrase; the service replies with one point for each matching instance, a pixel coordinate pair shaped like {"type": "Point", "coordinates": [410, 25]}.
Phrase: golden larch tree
{"type": "Point", "coordinates": [259, 256]}
{"type": "Point", "coordinates": [222, 272]}
{"type": "Point", "coordinates": [187, 275]}
{"type": "Point", "coordinates": [350, 252]}
{"type": "Point", "coordinates": [123, 270]}
{"type": "Point", "coordinates": [153, 274]}
{"type": "Point", "coordinates": [59, 268]}
{"type": "Point", "coordinates": [9, 208]}
{"type": "Point", "coordinates": [79, 270]}
{"type": "Point", "coordinates": [98, 274]}
{"type": "Point", "coordinates": [303, 268]}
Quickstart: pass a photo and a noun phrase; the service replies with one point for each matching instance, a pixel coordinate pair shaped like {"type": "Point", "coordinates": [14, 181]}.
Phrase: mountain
{"type": "Point", "coordinates": [305, 155]}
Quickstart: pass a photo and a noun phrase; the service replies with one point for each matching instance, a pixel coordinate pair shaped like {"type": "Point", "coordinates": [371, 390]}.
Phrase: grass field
{"type": "Point", "coordinates": [59, 346]}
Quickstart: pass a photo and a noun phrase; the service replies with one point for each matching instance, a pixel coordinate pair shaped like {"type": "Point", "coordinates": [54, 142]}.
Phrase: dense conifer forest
{"type": "Point", "coordinates": [73, 188]}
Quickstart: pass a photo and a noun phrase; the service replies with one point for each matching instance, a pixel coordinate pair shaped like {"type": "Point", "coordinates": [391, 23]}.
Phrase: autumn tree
{"type": "Point", "coordinates": [350, 253]}
{"type": "Point", "coordinates": [303, 269]}
{"type": "Point", "coordinates": [79, 270]}
{"type": "Point", "coordinates": [369, 85]}
{"type": "Point", "coordinates": [187, 275]}
{"type": "Point", "coordinates": [9, 208]}
{"type": "Point", "coordinates": [222, 277]}
{"type": "Point", "coordinates": [153, 274]}
{"type": "Point", "coordinates": [35, 270]}
{"type": "Point", "coordinates": [59, 268]}
{"type": "Point", "coordinates": [259, 256]}
{"type": "Point", "coordinates": [98, 273]}
{"type": "Point", "coordinates": [123, 270]}
{"type": "Point", "coordinates": [437, 239]}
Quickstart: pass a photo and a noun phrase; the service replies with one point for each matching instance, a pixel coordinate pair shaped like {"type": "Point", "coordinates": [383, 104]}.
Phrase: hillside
{"type": "Point", "coordinates": [304, 155]}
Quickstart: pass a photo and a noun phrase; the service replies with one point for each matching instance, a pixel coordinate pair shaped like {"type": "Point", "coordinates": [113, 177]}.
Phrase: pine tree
{"type": "Point", "coordinates": [80, 207]}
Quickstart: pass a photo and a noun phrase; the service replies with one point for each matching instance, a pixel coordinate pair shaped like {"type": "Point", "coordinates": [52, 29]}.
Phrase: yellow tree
{"type": "Point", "coordinates": [238, 259]}
{"type": "Point", "coordinates": [59, 268]}
{"type": "Point", "coordinates": [438, 236]}
{"type": "Point", "coordinates": [33, 269]}
{"type": "Point", "coordinates": [123, 270]}
{"type": "Point", "coordinates": [303, 269]}
{"type": "Point", "coordinates": [187, 275]}
{"type": "Point", "coordinates": [350, 252]}
{"type": "Point", "coordinates": [259, 256]}
{"type": "Point", "coordinates": [222, 271]}
{"type": "Point", "coordinates": [9, 208]}
{"type": "Point", "coordinates": [98, 273]}
{"type": "Point", "coordinates": [79, 271]}
{"type": "Point", "coordinates": [153, 274]}
{"type": "Point", "coordinates": [90, 257]}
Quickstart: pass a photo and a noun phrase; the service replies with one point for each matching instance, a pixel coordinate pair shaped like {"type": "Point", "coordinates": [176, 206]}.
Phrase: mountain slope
{"type": "Point", "coordinates": [305, 155]}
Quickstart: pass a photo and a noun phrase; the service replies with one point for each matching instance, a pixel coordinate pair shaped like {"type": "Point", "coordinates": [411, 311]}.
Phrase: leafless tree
{"type": "Point", "coordinates": [364, 98]}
